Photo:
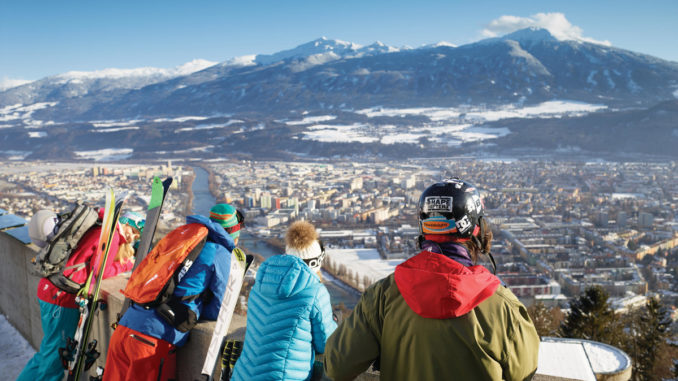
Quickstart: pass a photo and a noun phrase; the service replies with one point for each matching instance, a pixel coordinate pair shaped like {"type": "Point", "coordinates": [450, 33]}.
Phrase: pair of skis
{"type": "Point", "coordinates": [80, 353]}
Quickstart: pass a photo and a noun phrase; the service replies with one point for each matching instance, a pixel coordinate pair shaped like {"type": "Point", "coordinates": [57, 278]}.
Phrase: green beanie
{"type": "Point", "coordinates": [226, 216]}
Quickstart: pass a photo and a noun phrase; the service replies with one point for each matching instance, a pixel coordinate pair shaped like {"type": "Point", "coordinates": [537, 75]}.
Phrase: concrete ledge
{"type": "Point", "coordinates": [18, 302]}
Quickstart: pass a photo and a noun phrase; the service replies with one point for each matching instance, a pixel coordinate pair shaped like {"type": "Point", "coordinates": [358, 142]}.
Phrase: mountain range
{"type": "Point", "coordinates": [524, 92]}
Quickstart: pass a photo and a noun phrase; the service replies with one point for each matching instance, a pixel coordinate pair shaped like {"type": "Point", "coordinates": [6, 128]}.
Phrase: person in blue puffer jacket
{"type": "Point", "coordinates": [289, 315]}
{"type": "Point", "coordinates": [143, 346]}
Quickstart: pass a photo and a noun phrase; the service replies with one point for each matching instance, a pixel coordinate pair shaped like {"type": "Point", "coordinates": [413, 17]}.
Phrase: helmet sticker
{"type": "Point", "coordinates": [474, 204]}
{"type": "Point", "coordinates": [438, 225]}
{"type": "Point", "coordinates": [463, 224]}
{"type": "Point", "coordinates": [437, 204]}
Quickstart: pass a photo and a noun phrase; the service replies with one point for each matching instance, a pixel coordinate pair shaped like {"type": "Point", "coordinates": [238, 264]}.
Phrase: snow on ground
{"type": "Point", "coordinates": [19, 111]}
{"type": "Point", "coordinates": [551, 109]}
{"type": "Point", "coordinates": [364, 262]}
{"type": "Point", "coordinates": [15, 351]}
{"type": "Point", "coordinates": [209, 126]}
{"type": "Point", "coordinates": [339, 133]}
{"type": "Point", "coordinates": [194, 149]}
{"type": "Point", "coordinates": [564, 359]}
{"type": "Point", "coordinates": [311, 120]}
{"type": "Point", "coordinates": [401, 138]}
{"type": "Point", "coordinates": [106, 154]}
{"type": "Point", "coordinates": [179, 119]}
{"type": "Point", "coordinates": [114, 123]}
{"type": "Point", "coordinates": [114, 129]}
{"type": "Point", "coordinates": [474, 134]}
{"type": "Point", "coordinates": [604, 358]}
{"type": "Point", "coordinates": [434, 113]}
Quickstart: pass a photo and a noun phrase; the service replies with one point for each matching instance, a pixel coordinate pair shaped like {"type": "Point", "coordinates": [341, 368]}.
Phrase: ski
{"type": "Point", "coordinates": [239, 265]}
{"type": "Point", "coordinates": [159, 191]}
{"type": "Point", "coordinates": [81, 353]}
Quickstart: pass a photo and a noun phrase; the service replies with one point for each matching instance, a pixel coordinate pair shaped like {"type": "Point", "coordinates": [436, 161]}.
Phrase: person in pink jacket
{"type": "Point", "coordinates": [58, 309]}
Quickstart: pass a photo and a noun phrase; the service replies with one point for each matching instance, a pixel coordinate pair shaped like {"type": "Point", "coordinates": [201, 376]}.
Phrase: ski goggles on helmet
{"type": "Point", "coordinates": [316, 263]}
{"type": "Point", "coordinates": [134, 220]}
{"type": "Point", "coordinates": [438, 225]}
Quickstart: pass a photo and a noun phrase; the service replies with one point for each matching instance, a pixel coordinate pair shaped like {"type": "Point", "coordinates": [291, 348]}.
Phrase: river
{"type": "Point", "coordinates": [203, 201]}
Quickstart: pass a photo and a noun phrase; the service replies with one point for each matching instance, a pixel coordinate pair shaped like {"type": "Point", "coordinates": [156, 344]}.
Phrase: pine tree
{"type": "Point", "coordinates": [653, 329]}
{"type": "Point", "coordinates": [546, 320]}
{"type": "Point", "coordinates": [591, 318]}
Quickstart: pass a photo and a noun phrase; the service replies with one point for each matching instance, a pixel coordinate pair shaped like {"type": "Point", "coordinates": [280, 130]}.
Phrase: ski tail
{"type": "Point", "coordinates": [239, 265]}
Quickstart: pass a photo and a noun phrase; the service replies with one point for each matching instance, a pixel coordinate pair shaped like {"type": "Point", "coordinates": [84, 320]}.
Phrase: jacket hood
{"type": "Point", "coordinates": [435, 286]}
{"type": "Point", "coordinates": [282, 276]}
{"type": "Point", "coordinates": [216, 233]}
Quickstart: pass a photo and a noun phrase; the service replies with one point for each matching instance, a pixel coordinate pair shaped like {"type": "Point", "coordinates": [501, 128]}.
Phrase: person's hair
{"type": "Point", "coordinates": [485, 240]}
{"type": "Point", "coordinates": [125, 253]}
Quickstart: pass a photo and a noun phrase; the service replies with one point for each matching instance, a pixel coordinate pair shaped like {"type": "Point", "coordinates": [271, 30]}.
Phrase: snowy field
{"type": "Point", "coordinates": [106, 154]}
{"type": "Point", "coordinates": [452, 126]}
{"type": "Point", "coordinates": [15, 351]}
{"type": "Point", "coordinates": [363, 262]}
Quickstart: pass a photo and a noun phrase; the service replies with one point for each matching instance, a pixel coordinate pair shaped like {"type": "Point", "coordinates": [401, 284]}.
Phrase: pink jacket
{"type": "Point", "coordinates": [84, 253]}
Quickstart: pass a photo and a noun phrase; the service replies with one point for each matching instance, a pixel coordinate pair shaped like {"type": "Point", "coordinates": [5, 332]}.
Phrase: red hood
{"type": "Point", "coordinates": [437, 287]}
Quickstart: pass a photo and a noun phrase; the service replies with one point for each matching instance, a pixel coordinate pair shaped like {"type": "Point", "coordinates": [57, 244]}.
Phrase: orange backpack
{"type": "Point", "coordinates": [154, 280]}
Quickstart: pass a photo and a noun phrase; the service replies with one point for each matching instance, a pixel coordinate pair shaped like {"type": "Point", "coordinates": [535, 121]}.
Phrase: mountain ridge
{"type": "Point", "coordinates": [334, 80]}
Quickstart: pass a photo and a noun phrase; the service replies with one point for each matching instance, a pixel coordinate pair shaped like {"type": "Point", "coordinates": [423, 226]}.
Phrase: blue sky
{"type": "Point", "coordinates": [41, 38]}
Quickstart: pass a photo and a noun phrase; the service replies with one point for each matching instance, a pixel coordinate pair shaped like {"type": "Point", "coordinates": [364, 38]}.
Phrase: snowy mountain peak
{"type": "Point", "coordinates": [112, 73]}
{"type": "Point", "coordinates": [192, 67]}
{"type": "Point", "coordinates": [319, 46]}
{"type": "Point", "coordinates": [531, 34]}
{"type": "Point", "coordinates": [441, 43]}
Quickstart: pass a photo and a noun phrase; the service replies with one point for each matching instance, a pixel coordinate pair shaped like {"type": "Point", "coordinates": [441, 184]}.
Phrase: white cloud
{"type": "Point", "coordinates": [555, 22]}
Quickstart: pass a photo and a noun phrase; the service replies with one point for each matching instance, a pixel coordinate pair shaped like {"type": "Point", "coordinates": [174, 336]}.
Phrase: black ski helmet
{"type": "Point", "coordinates": [452, 207]}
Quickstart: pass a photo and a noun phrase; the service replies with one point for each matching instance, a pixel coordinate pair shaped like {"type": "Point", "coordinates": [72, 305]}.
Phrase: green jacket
{"type": "Point", "coordinates": [474, 329]}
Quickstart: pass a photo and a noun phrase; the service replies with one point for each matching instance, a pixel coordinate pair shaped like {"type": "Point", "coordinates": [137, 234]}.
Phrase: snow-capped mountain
{"type": "Point", "coordinates": [75, 84]}
{"type": "Point", "coordinates": [325, 50]}
{"type": "Point", "coordinates": [325, 93]}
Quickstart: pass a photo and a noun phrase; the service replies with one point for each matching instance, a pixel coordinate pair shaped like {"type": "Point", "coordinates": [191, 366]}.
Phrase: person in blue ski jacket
{"type": "Point", "coordinates": [143, 345]}
{"type": "Point", "coordinates": [289, 315]}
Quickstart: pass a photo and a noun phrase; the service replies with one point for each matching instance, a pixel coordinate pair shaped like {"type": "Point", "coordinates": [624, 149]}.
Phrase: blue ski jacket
{"type": "Point", "coordinates": [207, 277]}
{"type": "Point", "coordinates": [289, 318]}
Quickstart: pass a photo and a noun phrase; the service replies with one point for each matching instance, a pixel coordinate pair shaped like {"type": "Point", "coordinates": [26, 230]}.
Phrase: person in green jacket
{"type": "Point", "coordinates": [439, 316]}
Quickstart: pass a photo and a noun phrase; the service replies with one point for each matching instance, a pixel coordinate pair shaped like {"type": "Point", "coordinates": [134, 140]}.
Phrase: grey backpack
{"type": "Point", "coordinates": [51, 259]}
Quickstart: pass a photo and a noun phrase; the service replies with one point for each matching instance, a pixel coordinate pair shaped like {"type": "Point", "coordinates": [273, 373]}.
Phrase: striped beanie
{"type": "Point", "coordinates": [226, 216]}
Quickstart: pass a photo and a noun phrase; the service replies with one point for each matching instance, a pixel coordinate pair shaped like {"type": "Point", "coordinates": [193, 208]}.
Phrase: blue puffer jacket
{"type": "Point", "coordinates": [208, 274]}
{"type": "Point", "coordinates": [289, 318]}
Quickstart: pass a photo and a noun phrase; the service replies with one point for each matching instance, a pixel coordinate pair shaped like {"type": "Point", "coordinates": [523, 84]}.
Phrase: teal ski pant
{"type": "Point", "coordinates": [58, 323]}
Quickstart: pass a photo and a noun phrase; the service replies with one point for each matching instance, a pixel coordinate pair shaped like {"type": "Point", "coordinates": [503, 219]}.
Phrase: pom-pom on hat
{"type": "Point", "coordinates": [226, 216]}
{"type": "Point", "coordinates": [302, 241]}
{"type": "Point", "coordinates": [41, 227]}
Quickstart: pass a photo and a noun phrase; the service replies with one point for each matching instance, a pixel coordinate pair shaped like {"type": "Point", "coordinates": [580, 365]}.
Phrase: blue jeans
{"type": "Point", "coordinates": [58, 323]}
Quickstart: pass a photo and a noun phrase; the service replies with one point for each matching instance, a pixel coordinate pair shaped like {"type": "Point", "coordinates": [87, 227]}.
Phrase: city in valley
{"type": "Point", "coordinates": [559, 227]}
